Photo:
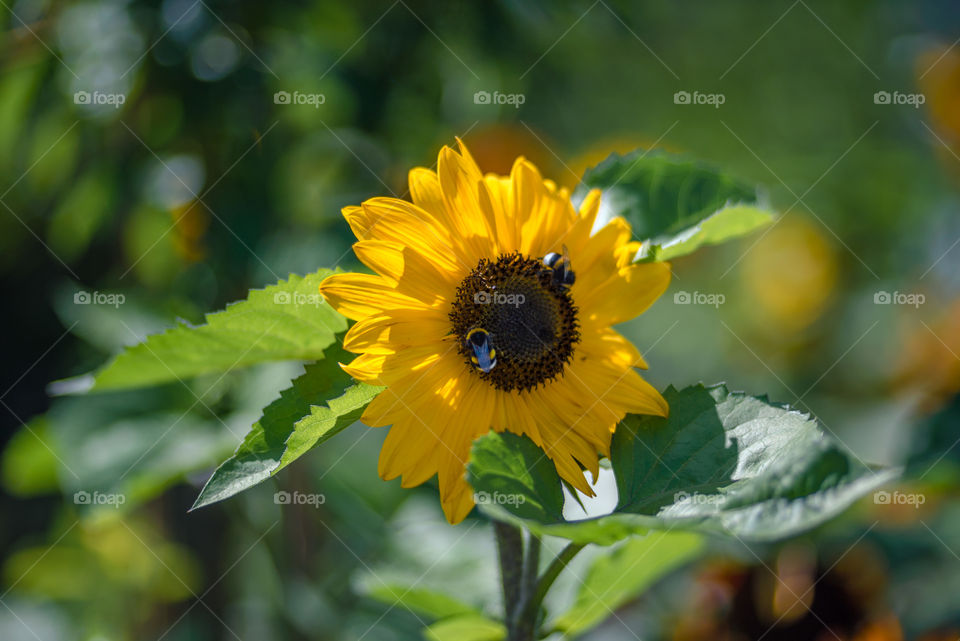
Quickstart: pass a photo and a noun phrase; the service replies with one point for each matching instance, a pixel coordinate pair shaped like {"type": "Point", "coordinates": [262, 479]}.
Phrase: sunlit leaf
{"type": "Point", "coordinates": [286, 321]}
{"type": "Point", "coordinates": [624, 573]}
{"type": "Point", "coordinates": [726, 224]}
{"type": "Point", "coordinates": [466, 628]}
{"type": "Point", "coordinates": [430, 603]}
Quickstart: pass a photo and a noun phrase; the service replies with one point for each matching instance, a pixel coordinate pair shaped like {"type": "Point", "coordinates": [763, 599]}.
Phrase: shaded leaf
{"type": "Point", "coordinates": [674, 204]}
{"type": "Point", "coordinates": [722, 462]}
{"type": "Point", "coordinates": [320, 404]}
{"type": "Point", "coordinates": [134, 445]}
{"type": "Point", "coordinates": [28, 466]}
{"type": "Point", "coordinates": [510, 469]}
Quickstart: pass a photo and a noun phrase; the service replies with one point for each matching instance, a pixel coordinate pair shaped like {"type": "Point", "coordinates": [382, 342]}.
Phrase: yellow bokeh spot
{"type": "Point", "coordinates": [790, 275]}
{"type": "Point", "coordinates": [496, 147]}
{"type": "Point", "coordinates": [938, 76]}
{"type": "Point", "coordinates": [190, 222]}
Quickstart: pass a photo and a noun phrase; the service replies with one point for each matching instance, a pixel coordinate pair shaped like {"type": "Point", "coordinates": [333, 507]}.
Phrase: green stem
{"type": "Point", "coordinates": [525, 626]}
{"type": "Point", "coordinates": [510, 549]}
{"type": "Point", "coordinates": [523, 593]}
{"type": "Point", "coordinates": [531, 608]}
{"type": "Point", "coordinates": [531, 566]}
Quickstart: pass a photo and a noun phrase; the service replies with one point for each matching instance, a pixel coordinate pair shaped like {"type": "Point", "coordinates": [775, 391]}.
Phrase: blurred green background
{"type": "Point", "coordinates": [151, 168]}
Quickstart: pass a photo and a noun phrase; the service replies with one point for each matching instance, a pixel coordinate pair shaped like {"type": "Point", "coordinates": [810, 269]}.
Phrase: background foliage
{"type": "Point", "coordinates": [200, 186]}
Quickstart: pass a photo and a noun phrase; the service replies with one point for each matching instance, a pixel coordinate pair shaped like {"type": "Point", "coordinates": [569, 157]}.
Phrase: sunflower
{"type": "Point", "coordinates": [491, 308]}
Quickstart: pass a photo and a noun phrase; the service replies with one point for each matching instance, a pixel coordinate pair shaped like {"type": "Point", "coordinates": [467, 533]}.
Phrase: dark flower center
{"type": "Point", "coordinates": [528, 321]}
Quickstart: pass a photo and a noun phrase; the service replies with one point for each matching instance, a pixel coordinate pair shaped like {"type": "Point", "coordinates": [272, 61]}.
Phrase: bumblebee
{"type": "Point", "coordinates": [484, 355]}
{"type": "Point", "coordinates": [559, 265]}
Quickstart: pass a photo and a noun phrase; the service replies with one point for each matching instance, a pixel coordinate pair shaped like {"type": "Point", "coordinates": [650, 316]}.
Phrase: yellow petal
{"type": "Point", "coordinates": [597, 259]}
{"type": "Point", "coordinates": [602, 370]}
{"type": "Point", "coordinates": [546, 216]}
{"type": "Point", "coordinates": [425, 192]}
{"type": "Point", "coordinates": [624, 295]}
{"type": "Point", "coordinates": [405, 367]}
{"type": "Point", "coordinates": [366, 367]}
{"type": "Point", "coordinates": [494, 195]}
{"type": "Point", "coordinates": [407, 270]}
{"type": "Point", "coordinates": [458, 505]}
{"type": "Point", "coordinates": [613, 347]}
{"type": "Point", "coordinates": [396, 330]}
{"type": "Point", "coordinates": [459, 183]}
{"type": "Point", "coordinates": [405, 223]}
{"type": "Point", "coordinates": [358, 296]}
{"type": "Point", "coordinates": [590, 207]}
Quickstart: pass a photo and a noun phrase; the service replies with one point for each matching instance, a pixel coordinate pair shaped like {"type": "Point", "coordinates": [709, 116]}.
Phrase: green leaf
{"type": "Point", "coordinates": [623, 574]}
{"type": "Point", "coordinates": [431, 603]}
{"type": "Point", "coordinates": [28, 467]}
{"type": "Point", "coordinates": [674, 204]}
{"type": "Point", "coordinates": [286, 321]}
{"type": "Point", "coordinates": [717, 228]}
{"type": "Point", "coordinates": [320, 404]}
{"type": "Point", "coordinates": [81, 213]}
{"type": "Point", "coordinates": [466, 628]}
{"type": "Point", "coordinates": [135, 445]}
{"type": "Point", "coordinates": [507, 469]}
{"type": "Point", "coordinates": [722, 462]}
